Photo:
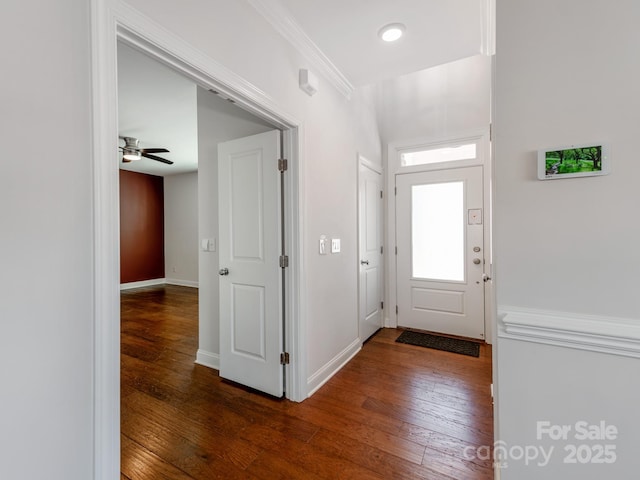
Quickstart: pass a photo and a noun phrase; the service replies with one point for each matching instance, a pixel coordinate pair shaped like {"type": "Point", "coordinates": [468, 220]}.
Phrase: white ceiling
{"type": "Point", "coordinates": [159, 106]}
{"type": "Point", "coordinates": [438, 31]}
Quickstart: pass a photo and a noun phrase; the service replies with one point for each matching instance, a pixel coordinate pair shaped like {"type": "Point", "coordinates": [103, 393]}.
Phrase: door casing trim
{"type": "Point", "coordinates": [113, 21]}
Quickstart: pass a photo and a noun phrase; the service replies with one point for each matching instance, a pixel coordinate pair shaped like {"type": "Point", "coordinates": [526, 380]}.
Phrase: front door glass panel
{"type": "Point", "coordinates": [437, 231]}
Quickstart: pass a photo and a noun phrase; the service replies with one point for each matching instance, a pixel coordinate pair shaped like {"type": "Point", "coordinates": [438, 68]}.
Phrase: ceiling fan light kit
{"type": "Point", "coordinates": [129, 155]}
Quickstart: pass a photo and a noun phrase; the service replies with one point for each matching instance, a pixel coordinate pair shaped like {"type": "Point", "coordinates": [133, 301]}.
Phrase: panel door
{"type": "Point", "coordinates": [370, 226]}
{"type": "Point", "coordinates": [250, 276]}
{"type": "Point", "coordinates": [440, 259]}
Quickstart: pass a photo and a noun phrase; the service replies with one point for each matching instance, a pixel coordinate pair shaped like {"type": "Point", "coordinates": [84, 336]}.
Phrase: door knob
{"type": "Point", "coordinates": [364, 262]}
{"type": "Point", "coordinates": [477, 261]}
{"type": "Point", "coordinates": [223, 271]}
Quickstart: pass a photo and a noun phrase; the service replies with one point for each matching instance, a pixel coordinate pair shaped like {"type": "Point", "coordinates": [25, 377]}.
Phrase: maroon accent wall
{"type": "Point", "coordinates": [141, 227]}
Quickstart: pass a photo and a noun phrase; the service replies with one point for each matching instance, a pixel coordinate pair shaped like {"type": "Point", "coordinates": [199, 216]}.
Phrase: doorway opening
{"type": "Point", "coordinates": [440, 217]}
{"type": "Point", "coordinates": [210, 77]}
{"type": "Point", "coordinates": [440, 259]}
{"type": "Point", "coordinates": [233, 206]}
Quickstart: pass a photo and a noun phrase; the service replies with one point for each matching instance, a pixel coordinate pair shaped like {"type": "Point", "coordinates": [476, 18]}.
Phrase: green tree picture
{"type": "Point", "coordinates": [573, 160]}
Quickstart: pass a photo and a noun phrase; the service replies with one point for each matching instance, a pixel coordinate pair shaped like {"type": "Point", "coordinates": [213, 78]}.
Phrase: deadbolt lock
{"type": "Point", "coordinates": [476, 249]}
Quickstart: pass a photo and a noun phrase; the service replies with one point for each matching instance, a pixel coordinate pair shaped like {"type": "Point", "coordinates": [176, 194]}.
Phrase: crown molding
{"type": "Point", "coordinates": [285, 24]}
{"type": "Point", "coordinates": [616, 336]}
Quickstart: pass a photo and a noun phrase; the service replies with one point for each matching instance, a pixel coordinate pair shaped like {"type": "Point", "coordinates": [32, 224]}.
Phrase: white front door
{"type": "Point", "coordinates": [370, 224]}
{"type": "Point", "coordinates": [440, 258]}
{"type": "Point", "coordinates": [250, 276]}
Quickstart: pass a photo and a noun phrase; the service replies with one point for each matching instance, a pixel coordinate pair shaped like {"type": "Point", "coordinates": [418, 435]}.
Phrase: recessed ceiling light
{"type": "Point", "coordinates": [391, 32]}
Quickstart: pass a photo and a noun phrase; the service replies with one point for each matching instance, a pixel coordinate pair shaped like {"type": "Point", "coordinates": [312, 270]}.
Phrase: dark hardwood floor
{"type": "Point", "coordinates": [394, 412]}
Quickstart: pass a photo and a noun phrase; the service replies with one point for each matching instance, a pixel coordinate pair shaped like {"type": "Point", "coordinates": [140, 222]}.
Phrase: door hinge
{"type": "Point", "coordinates": [396, 250]}
{"type": "Point", "coordinates": [284, 358]}
{"type": "Point", "coordinates": [381, 194]}
{"type": "Point", "coordinates": [491, 132]}
{"type": "Point", "coordinates": [381, 250]}
{"type": "Point", "coordinates": [396, 309]}
{"type": "Point", "coordinates": [381, 305]}
{"type": "Point", "coordinates": [395, 190]}
{"type": "Point", "coordinates": [284, 261]}
{"type": "Point", "coordinates": [283, 165]}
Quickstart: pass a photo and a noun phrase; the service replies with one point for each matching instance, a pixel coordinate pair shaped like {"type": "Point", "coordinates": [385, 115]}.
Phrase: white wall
{"type": "Point", "coordinates": [46, 307]}
{"type": "Point", "coordinates": [218, 121]}
{"type": "Point", "coordinates": [567, 72]}
{"type": "Point", "coordinates": [181, 229]}
{"type": "Point", "coordinates": [365, 122]}
{"type": "Point", "coordinates": [438, 102]}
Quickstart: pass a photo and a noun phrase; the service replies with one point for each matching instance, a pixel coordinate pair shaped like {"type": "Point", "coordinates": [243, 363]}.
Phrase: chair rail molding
{"type": "Point", "coordinates": [612, 335]}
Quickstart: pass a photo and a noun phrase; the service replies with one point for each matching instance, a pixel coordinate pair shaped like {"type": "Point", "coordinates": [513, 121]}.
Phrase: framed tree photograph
{"type": "Point", "coordinates": [574, 161]}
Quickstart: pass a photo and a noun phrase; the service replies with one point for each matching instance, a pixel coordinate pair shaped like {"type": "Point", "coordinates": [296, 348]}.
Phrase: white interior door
{"type": "Point", "coordinates": [250, 275]}
{"type": "Point", "coordinates": [440, 258]}
{"type": "Point", "coordinates": [370, 224]}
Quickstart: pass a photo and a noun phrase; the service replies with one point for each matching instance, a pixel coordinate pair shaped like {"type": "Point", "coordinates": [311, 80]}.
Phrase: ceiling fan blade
{"type": "Point", "coordinates": [154, 150]}
{"type": "Point", "coordinates": [154, 157]}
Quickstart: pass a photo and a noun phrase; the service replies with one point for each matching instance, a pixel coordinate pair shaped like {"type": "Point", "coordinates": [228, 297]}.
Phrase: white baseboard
{"type": "Point", "coordinates": [208, 359]}
{"type": "Point", "coordinates": [143, 283]}
{"type": "Point", "coordinates": [390, 322]}
{"type": "Point", "coordinates": [181, 283]}
{"type": "Point", "coordinates": [617, 336]}
{"type": "Point", "coordinates": [323, 375]}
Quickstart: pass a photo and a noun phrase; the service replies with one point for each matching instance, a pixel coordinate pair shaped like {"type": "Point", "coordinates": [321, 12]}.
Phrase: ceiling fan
{"type": "Point", "coordinates": [132, 151]}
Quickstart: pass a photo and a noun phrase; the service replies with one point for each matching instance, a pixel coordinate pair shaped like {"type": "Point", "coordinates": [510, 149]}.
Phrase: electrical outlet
{"type": "Point", "coordinates": [335, 245]}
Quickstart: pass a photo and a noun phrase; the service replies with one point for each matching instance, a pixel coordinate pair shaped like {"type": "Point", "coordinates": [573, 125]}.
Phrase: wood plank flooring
{"type": "Point", "coordinates": [394, 412]}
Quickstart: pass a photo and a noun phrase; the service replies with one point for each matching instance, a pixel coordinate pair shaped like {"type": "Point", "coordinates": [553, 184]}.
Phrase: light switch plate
{"type": "Point", "coordinates": [208, 244]}
{"type": "Point", "coordinates": [322, 245]}
{"type": "Point", "coordinates": [335, 245]}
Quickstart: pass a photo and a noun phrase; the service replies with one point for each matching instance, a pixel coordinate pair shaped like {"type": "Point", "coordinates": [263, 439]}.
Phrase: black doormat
{"type": "Point", "coordinates": [436, 342]}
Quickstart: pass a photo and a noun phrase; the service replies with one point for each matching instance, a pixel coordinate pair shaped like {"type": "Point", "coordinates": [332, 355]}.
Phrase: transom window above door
{"type": "Point", "coordinates": [438, 154]}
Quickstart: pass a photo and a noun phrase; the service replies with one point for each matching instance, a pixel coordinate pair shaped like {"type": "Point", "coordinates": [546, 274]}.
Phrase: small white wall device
{"type": "Point", "coordinates": [308, 82]}
{"type": "Point", "coordinates": [208, 245]}
{"type": "Point", "coordinates": [323, 250]}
